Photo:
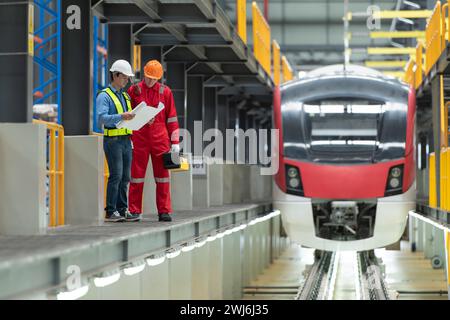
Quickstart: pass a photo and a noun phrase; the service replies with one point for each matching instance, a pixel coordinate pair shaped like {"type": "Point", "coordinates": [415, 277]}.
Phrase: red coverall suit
{"type": "Point", "coordinates": [155, 140]}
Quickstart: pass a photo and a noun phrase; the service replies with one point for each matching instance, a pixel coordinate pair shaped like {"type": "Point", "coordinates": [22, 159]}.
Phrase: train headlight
{"type": "Point", "coordinates": [293, 180]}
{"type": "Point", "coordinates": [396, 172]}
{"type": "Point", "coordinates": [292, 172]}
{"type": "Point", "coordinates": [394, 183]}
{"type": "Point", "coordinates": [294, 183]}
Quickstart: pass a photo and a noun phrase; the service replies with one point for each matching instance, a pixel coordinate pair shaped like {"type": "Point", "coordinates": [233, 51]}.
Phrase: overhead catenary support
{"type": "Point", "coordinates": [16, 61]}
{"type": "Point", "coordinates": [77, 33]}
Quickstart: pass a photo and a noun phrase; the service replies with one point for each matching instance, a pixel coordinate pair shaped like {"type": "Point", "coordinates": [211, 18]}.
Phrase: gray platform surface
{"type": "Point", "coordinates": [36, 262]}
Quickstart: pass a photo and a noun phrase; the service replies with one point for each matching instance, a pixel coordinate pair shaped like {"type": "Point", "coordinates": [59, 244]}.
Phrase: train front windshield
{"type": "Point", "coordinates": [345, 130]}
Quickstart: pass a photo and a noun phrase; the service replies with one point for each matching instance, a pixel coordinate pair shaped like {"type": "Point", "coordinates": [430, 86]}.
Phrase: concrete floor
{"type": "Point", "coordinates": [410, 271]}
{"type": "Point", "coordinates": [405, 271]}
{"type": "Point", "coordinates": [280, 281]}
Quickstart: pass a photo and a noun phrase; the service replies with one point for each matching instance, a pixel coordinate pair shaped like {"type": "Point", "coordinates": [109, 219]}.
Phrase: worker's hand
{"type": "Point", "coordinates": [175, 148]}
{"type": "Point", "coordinates": [137, 89]}
{"type": "Point", "coordinates": [127, 116]}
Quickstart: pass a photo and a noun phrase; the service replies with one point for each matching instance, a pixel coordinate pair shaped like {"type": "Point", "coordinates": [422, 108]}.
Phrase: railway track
{"type": "Point", "coordinates": [342, 275]}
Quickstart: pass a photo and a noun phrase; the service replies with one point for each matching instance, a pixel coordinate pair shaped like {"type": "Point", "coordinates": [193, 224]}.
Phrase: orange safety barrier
{"type": "Point", "coordinates": [276, 63]}
{"type": "Point", "coordinates": [433, 38]}
{"type": "Point", "coordinates": [55, 173]}
{"type": "Point", "coordinates": [286, 69]}
{"type": "Point", "coordinates": [261, 39]}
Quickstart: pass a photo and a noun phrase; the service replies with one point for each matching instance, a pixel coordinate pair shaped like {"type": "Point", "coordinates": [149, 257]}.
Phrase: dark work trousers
{"type": "Point", "coordinates": [118, 154]}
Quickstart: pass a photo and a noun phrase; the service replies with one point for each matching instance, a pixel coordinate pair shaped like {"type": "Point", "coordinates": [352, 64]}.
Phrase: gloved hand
{"type": "Point", "coordinates": [175, 148]}
{"type": "Point", "coordinates": [161, 105]}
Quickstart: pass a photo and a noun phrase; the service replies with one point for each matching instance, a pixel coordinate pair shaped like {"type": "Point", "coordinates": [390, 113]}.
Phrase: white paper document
{"type": "Point", "coordinates": [143, 114]}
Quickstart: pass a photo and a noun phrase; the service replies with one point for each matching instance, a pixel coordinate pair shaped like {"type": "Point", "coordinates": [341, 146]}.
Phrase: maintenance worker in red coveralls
{"type": "Point", "coordinates": [159, 136]}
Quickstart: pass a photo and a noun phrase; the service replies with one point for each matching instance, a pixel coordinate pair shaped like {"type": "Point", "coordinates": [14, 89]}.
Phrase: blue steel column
{"type": "Point", "coordinates": [16, 62]}
{"type": "Point", "coordinates": [76, 68]}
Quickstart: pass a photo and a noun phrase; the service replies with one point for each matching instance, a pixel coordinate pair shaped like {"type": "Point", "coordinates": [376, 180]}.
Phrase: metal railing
{"type": "Point", "coordinates": [432, 181]}
{"type": "Point", "coordinates": [286, 70]}
{"type": "Point", "coordinates": [241, 19]}
{"type": "Point", "coordinates": [409, 73]}
{"type": "Point", "coordinates": [261, 39]}
{"type": "Point", "coordinates": [418, 74]}
{"type": "Point", "coordinates": [433, 38]}
{"type": "Point", "coordinates": [55, 172]}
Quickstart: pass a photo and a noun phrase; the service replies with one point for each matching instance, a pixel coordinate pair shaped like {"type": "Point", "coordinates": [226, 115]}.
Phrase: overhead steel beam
{"type": "Point", "coordinates": [207, 8]}
{"type": "Point", "coordinates": [150, 8]}
{"type": "Point", "coordinates": [177, 31]}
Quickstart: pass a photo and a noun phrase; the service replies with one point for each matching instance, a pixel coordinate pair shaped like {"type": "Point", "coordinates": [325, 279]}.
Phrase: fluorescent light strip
{"type": "Point", "coordinates": [155, 261]}
{"type": "Point", "coordinates": [74, 294]}
{"type": "Point", "coordinates": [106, 281]}
{"type": "Point", "coordinates": [173, 254]}
{"type": "Point", "coordinates": [189, 247]}
{"type": "Point", "coordinates": [130, 271]}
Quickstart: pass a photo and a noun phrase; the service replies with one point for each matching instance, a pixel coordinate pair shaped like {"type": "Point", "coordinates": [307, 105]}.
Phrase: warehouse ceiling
{"type": "Point", "coordinates": [311, 33]}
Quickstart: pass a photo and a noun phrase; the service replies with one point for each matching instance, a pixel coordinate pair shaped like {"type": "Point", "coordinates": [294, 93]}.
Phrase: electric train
{"type": "Point", "coordinates": [346, 177]}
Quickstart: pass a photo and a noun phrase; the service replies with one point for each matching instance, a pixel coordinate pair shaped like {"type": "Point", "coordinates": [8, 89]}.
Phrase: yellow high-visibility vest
{"type": "Point", "coordinates": [119, 108]}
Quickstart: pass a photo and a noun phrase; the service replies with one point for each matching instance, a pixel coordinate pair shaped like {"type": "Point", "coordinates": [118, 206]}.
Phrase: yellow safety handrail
{"type": "Point", "coordinates": [409, 73]}
{"type": "Point", "coordinates": [241, 19]}
{"type": "Point", "coordinates": [419, 65]}
{"type": "Point", "coordinates": [444, 26]}
{"type": "Point", "coordinates": [433, 38]}
{"type": "Point", "coordinates": [445, 159]}
{"type": "Point", "coordinates": [276, 63]}
{"type": "Point", "coordinates": [286, 69]}
{"type": "Point", "coordinates": [261, 39]}
{"type": "Point", "coordinates": [432, 182]}
{"type": "Point", "coordinates": [55, 173]}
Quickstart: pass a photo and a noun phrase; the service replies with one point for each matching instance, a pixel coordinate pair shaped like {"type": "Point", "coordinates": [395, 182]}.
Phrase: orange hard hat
{"type": "Point", "coordinates": [153, 70]}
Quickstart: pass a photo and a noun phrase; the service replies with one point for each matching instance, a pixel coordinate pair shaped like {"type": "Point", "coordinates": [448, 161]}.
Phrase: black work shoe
{"type": "Point", "coordinates": [164, 217]}
{"type": "Point", "coordinates": [114, 217]}
{"type": "Point", "coordinates": [130, 216]}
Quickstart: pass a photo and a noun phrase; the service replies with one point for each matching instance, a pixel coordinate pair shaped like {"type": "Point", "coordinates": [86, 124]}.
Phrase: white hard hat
{"type": "Point", "coordinates": [122, 66]}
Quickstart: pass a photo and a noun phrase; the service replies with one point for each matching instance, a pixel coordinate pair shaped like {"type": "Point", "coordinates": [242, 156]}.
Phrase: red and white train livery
{"type": "Point", "coordinates": [346, 158]}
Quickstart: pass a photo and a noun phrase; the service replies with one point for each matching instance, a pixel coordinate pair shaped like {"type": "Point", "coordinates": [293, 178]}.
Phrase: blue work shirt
{"type": "Point", "coordinates": [106, 109]}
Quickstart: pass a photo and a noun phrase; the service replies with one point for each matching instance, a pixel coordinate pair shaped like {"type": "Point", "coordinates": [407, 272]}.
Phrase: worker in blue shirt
{"type": "Point", "coordinates": [113, 106]}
